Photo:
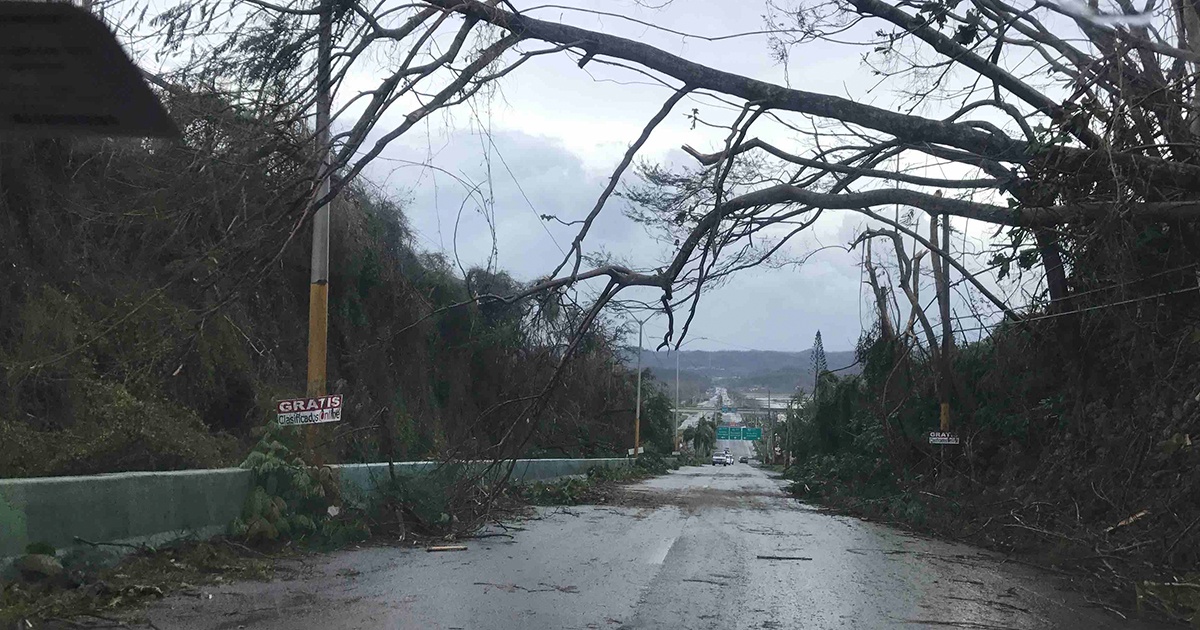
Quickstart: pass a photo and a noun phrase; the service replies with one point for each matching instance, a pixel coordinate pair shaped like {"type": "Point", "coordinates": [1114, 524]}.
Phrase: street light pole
{"type": "Point", "coordinates": [679, 414]}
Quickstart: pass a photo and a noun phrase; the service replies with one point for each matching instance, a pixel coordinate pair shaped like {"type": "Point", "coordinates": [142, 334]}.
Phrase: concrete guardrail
{"type": "Point", "coordinates": [153, 508]}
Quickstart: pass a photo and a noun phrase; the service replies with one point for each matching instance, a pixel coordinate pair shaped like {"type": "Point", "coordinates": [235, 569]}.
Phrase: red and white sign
{"type": "Point", "coordinates": [310, 410]}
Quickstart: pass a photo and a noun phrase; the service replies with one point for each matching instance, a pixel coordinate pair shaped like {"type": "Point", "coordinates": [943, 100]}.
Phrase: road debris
{"type": "Point", "coordinates": [1129, 521]}
{"type": "Point", "coordinates": [783, 558]}
{"type": "Point", "coordinates": [512, 588]}
{"type": "Point", "coordinates": [447, 548]}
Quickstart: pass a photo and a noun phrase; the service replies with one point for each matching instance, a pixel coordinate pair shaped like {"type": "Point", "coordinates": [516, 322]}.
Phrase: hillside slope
{"type": "Point", "coordinates": [783, 372]}
{"type": "Point", "coordinates": [155, 300]}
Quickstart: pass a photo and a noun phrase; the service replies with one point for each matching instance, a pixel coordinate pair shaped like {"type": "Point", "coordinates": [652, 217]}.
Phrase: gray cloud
{"type": "Point", "coordinates": [764, 308]}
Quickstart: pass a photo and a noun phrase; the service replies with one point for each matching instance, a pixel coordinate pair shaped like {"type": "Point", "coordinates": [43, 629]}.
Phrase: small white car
{"type": "Point", "coordinates": [719, 459]}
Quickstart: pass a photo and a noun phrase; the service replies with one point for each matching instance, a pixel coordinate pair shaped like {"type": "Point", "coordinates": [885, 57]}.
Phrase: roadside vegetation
{"type": "Point", "coordinates": [1051, 467]}
{"type": "Point", "coordinates": [155, 307]}
{"type": "Point", "coordinates": [598, 486]}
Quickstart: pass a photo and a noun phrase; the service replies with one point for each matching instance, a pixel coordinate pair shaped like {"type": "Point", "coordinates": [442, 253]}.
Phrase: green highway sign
{"type": "Point", "coordinates": [732, 432]}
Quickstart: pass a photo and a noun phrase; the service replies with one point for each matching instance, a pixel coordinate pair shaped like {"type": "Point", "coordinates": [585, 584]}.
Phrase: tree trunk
{"type": "Point", "coordinates": [885, 321]}
{"type": "Point", "coordinates": [1056, 274]}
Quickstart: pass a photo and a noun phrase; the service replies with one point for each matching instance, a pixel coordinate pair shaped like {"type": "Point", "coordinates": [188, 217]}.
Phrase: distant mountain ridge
{"type": "Point", "coordinates": [780, 371]}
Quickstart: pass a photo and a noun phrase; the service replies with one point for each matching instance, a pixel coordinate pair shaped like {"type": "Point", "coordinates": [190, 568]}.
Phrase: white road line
{"type": "Point", "coordinates": [660, 552]}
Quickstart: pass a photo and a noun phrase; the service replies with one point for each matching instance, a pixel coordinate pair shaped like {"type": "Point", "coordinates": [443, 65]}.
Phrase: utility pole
{"type": "Point", "coordinates": [637, 415]}
{"type": "Point", "coordinates": [941, 266]}
{"type": "Point", "coordinates": [771, 428]}
{"type": "Point", "coordinates": [787, 438]}
{"type": "Point", "coordinates": [318, 290]}
{"type": "Point", "coordinates": [675, 437]}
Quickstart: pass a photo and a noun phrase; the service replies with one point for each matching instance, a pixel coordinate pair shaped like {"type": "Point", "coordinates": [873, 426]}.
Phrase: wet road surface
{"type": "Point", "coordinates": [705, 547]}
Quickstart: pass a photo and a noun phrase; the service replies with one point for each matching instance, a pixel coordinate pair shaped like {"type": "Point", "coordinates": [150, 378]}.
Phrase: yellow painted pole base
{"type": "Point", "coordinates": [318, 335]}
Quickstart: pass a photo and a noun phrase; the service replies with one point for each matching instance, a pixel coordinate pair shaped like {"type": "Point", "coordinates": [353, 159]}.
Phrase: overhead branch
{"type": "Point", "coordinates": [966, 57]}
{"type": "Point", "coordinates": [908, 128]}
{"type": "Point", "coordinates": [709, 159]}
{"type": "Point", "coordinates": [989, 213]}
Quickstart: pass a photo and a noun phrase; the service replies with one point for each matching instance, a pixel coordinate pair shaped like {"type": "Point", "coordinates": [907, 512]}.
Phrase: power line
{"type": "Point", "coordinates": [524, 196]}
{"type": "Point", "coordinates": [1098, 290]}
{"type": "Point", "coordinates": [1096, 307]}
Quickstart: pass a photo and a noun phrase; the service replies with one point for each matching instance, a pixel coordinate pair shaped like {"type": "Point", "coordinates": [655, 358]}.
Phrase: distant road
{"type": "Point", "coordinates": [710, 547]}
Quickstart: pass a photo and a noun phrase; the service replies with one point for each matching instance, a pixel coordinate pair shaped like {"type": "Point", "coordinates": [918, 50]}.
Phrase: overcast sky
{"type": "Point", "coordinates": [547, 141]}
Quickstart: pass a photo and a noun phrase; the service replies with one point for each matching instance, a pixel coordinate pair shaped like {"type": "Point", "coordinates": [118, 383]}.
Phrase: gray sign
{"type": "Point", "coordinates": [943, 437]}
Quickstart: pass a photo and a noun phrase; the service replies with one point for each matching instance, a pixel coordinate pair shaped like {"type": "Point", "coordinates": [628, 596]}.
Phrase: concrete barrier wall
{"type": "Point", "coordinates": [156, 507]}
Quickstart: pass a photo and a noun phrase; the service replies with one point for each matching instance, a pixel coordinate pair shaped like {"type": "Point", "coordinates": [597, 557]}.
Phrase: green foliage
{"type": "Point", "coordinates": [569, 491]}
{"type": "Point", "coordinates": [651, 463]}
{"type": "Point", "coordinates": [293, 500]}
{"type": "Point", "coordinates": [429, 500]}
{"type": "Point", "coordinates": [594, 486]}
{"type": "Point", "coordinates": [704, 436]}
{"type": "Point", "coordinates": [40, 547]}
{"type": "Point", "coordinates": [819, 363]}
{"type": "Point", "coordinates": [658, 421]}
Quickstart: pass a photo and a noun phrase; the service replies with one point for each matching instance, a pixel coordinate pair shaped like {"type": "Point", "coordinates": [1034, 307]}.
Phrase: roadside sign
{"type": "Point", "coordinates": [943, 437]}
{"type": "Point", "coordinates": [734, 432]}
{"type": "Point", "coordinates": [62, 72]}
{"type": "Point", "coordinates": [298, 411]}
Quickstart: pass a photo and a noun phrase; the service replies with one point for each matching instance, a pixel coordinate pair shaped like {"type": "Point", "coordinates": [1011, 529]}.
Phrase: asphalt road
{"type": "Point", "coordinates": [704, 547]}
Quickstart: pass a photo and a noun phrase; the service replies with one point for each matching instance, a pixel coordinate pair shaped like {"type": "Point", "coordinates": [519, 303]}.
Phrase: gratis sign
{"type": "Point", "coordinates": [309, 410]}
{"type": "Point", "coordinates": [943, 438]}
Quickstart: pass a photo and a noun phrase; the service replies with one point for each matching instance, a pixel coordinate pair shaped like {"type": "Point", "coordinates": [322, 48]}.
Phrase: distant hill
{"type": "Point", "coordinates": [780, 371]}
